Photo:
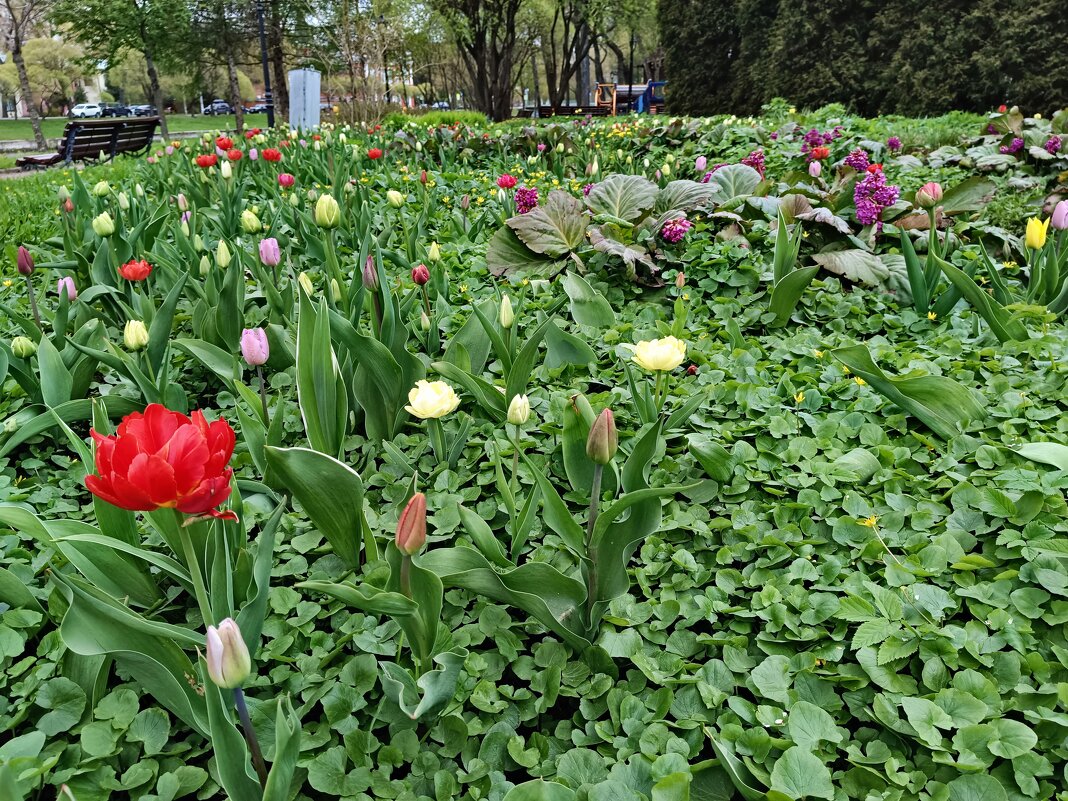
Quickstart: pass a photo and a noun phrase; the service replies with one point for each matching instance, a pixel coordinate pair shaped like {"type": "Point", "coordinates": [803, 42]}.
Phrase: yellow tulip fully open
{"type": "Point", "coordinates": [659, 355]}
{"type": "Point", "coordinates": [431, 399]}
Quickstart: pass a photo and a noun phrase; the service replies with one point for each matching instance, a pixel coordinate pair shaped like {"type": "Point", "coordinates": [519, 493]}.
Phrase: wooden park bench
{"type": "Point", "coordinates": [97, 139]}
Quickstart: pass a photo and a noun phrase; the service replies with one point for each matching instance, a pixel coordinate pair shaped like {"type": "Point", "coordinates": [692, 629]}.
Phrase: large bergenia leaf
{"type": "Point", "coordinates": [940, 403]}
{"type": "Point", "coordinates": [824, 216]}
{"type": "Point", "coordinates": [506, 254]}
{"type": "Point", "coordinates": [970, 195]}
{"type": "Point", "coordinates": [733, 181]}
{"type": "Point", "coordinates": [682, 196]}
{"type": "Point", "coordinates": [864, 267]}
{"type": "Point", "coordinates": [622, 197]}
{"type": "Point", "coordinates": [554, 228]}
{"type": "Point", "coordinates": [630, 254]}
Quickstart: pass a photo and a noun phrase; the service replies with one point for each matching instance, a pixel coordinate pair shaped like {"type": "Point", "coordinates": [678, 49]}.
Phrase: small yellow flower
{"type": "Point", "coordinates": [7, 282]}
{"type": "Point", "coordinates": [845, 369]}
{"type": "Point", "coordinates": [817, 353]}
{"type": "Point", "coordinates": [932, 316]}
{"type": "Point", "coordinates": [860, 381]}
{"type": "Point", "coordinates": [870, 522]}
{"type": "Point", "coordinates": [799, 397]}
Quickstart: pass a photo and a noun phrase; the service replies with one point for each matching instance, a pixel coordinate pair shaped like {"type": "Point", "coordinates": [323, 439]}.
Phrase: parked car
{"type": "Point", "coordinates": [144, 110]}
{"type": "Point", "coordinates": [115, 110]}
{"type": "Point", "coordinates": [258, 108]}
{"type": "Point", "coordinates": [87, 110]}
{"type": "Point", "coordinates": [218, 107]}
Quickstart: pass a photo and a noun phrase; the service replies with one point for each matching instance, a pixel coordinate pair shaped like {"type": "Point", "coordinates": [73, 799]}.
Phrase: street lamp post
{"type": "Point", "coordinates": [268, 99]}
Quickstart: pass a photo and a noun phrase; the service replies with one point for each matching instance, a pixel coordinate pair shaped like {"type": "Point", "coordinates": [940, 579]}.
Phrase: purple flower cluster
{"type": "Point", "coordinates": [756, 160]}
{"type": "Point", "coordinates": [673, 231]}
{"type": "Point", "coordinates": [991, 129]}
{"type": "Point", "coordinates": [872, 195]}
{"type": "Point", "coordinates": [1053, 145]}
{"type": "Point", "coordinates": [815, 138]}
{"type": "Point", "coordinates": [1015, 147]}
{"type": "Point", "coordinates": [893, 144]}
{"type": "Point", "coordinates": [586, 190]}
{"type": "Point", "coordinates": [858, 160]}
{"type": "Point", "coordinates": [526, 199]}
{"type": "Point", "coordinates": [715, 167]}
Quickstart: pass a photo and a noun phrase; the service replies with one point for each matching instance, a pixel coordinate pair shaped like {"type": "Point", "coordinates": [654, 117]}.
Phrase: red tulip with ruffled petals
{"type": "Point", "coordinates": [374, 153]}
{"type": "Point", "coordinates": [234, 154]}
{"type": "Point", "coordinates": [163, 459]}
{"type": "Point", "coordinates": [136, 270]}
{"type": "Point", "coordinates": [206, 160]}
{"type": "Point", "coordinates": [270, 154]}
{"type": "Point", "coordinates": [224, 142]}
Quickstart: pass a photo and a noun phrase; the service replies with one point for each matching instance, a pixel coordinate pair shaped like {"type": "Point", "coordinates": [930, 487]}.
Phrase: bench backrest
{"type": "Point", "coordinates": [86, 139]}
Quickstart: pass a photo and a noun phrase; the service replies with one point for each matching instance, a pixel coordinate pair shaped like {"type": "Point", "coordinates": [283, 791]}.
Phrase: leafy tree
{"type": "Point", "coordinates": [52, 71]}
{"type": "Point", "coordinates": [110, 29]}
{"type": "Point", "coordinates": [20, 19]}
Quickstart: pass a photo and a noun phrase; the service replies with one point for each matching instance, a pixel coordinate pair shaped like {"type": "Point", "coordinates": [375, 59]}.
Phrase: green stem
{"type": "Point", "coordinates": [193, 566]}
{"type": "Point", "coordinates": [591, 558]}
{"type": "Point", "coordinates": [515, 460]}
{"type": "Point", "coordinates": [437, 438]}
{"type": "Point", "coordinates": [406, 575]}
{"type": "Point", "coordinates": [33, 304]}
{"type": "Point", "coordinates": [250, 737]}
{"type": "Point", "coordinates": [263, 396]}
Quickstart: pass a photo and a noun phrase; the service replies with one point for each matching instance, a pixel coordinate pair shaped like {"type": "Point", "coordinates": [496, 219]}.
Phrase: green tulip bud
{"type": "Point", "coordinates": [205, 265]}
{"type": "Point", "coordinates": [222, 254]}
{"type": "Point", "coordinates": [250, 223]}
{"type": "Point", "coordinates": [124, 201]}
{"type": "Point", "coordinates": [327, 212]}
{"type": "Point", "coordinates": [135, 335]}
{"type": "Point", "coordinates": [602, 442]}
{"type": "Point", "coordinates": [395, 198]}
{"type": "Point", "coordinates": [434, 254]}
{"type": "Point", "coordinates": [306, 284]}
{"type": "Point", "coordinates": [103, 225]}
{"type": "Point", "coordinates": [506, 315]}
{"type": "Point", "coordinates": [198, 243]}
{"type": "Point", "coordinates": [226, 170]}
{"type": "Point", "coordinates": [227, 656]}
{"type": "Point", "coordinates": [101, 189]}
{"type": "Point", "coordinates": [23, 347]}
{"type": "Point", "coordinates": [519, 410]}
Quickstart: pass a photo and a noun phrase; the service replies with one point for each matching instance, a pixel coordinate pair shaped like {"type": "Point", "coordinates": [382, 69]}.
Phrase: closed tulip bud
{"type": "Point", "coordinates": [680, 280]}
{"type": "Point", "coordinates": [327, 212]}
{"type": "Point", "coordinates": [185, 228]}
{"type": "Point", "coordinates": [420, 274]}
{"type": "Point", "coordinates": [226, 170]}
{"type": "Point", "coordinates": [270, 253]}
{"type": "Point", "coordinates": [294, 200]}
{"type": "Point", "coordinates": [560, 147]}
{"type": "Point", "coordinates": [434, 254]}
{"type": "Point", "coordinates": [370, 275]}
{"type": "Point", "coordinates": [506, 317]}
{"type": "Point", "coordinates": [602, 442]}
{"type": "Point", "coordinates": [700, 163]}
{"type": "Point", "coordinates": [929, 195]}
{"type": "Point", "coordinates": [666, 169]}
{"type": "Point", "coordinates": [814, 169]}
{"type": "Point", "coordinates": [101, 188]}
{"type": "Point", "coordinates": [250, 223]}
{"type": "Point", "coordinates": [103, 225]}
{"type": "Point", "coordinates": [253, 154]}
{"type": "Point", "coordinates": [418, 147]}
{"type": "Point", "coordinates": [124, 201]}
{"type": "Point", "coordinates": [24, 261]}
{"type": "Point", "coordinates": [465, 202]}
{"type": "Point", "coordinates": [63, 193]}
{"type": "Point", "coordinates": [317, 145]}
{"type": "Point", "coordinates": [227, 657]}
{"type": "Point", "coordinates": [424, 321]}
{"type": "Point", "coordinates": [222, 254]}
{"type": "Point", "coordinates": [23, 347]}
{"type": "Point", "coordinates": [519, 410]}
{"type": "Point", "coordinates": [619, 153]}
{"type": "Point", "coordinates": [1059, 220]}
{"type": "Point", "coordinates": [670, 158]}
{"type": "Point", "coordinates": [630, 159]}
{"type": "Point", "coordinates": [394, 198]}
{"type": "Point", "coordinates": [254, 347]}
{"type": "Point", "coordinates": [646, 163]}
{"type": "Point", "coordinates": [68, 205]}
{"type": "Point", "coordinates": [306, 284]}
{"type": "Point", "coordinates": [205, 265]}
{"type": "Point", "coordinates": [198, 243]}
{"type": "Point", "coordinates": [335, 290]}
{"type": "Point", "coordinates": [422, 178]}
{"type": "Point", "coordinates": [1036, 233]}
{"type": "Point", "coordinates": [135, 335]}
{"type": "Point", "coordinates": [411, 527]}
{"type": "Point", "coordinates": [66, 286]}
{"type": "Point", "coordinates": [139, 190]}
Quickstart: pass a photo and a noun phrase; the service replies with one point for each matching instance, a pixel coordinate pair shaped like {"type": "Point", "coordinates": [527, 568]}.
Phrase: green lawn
{"type": "Point", "coordinates": [53, 126]}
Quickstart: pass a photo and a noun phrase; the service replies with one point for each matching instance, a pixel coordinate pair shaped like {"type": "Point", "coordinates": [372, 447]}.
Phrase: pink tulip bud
{"type": "Point", "coordinates": [183, 202]}
{"type": "Point", "coordinates": [465, 202]}
{"type": "Point", "coordinates": [270, 253]}
{"type": "Point", "coordinates": [68, 205]}
{"type": "Point", "coordinates": [814, 169]}
{"type": "Point", "coordinates": [370, 275]}
{"type": "Point", "coordinates": [286, 180]}
{"type": "Point", "coordinates": [603, 440]}
{"type": "Point", "coordinates": [253, 154]}
{"type": "Point", "coordinates": [700, 164]}
{"type": "Point", "coordinates": [420, 274]}
{"type": "Point", "coordinates": [929, 195]}
{"type": "Point", "coordinates": [411, 528]}
{"type": "Point", "coordinates": [24, 261]}
{"type": "Point", "coordinates": [1060, 216]}
{"type": "Point", "coordinates": [169, 150]}
{"type": "Point", "coordinates": [65, 285]}
{"type": "Point", "coordinates": [229, 663]}
{"type": "Point", "coordinates": [254, 347]}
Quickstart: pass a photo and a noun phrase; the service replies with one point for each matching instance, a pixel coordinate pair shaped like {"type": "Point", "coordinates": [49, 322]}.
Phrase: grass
{"type": "Point", "coordinates": [177, 123]}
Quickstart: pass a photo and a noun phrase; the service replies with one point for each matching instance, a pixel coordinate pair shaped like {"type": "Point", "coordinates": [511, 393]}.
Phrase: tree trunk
{"type": "Point", "coordinates": [235, 91]}
{"type": "Point", "coordinates": [24, 88]}
{"type": "Point", "coordinates": [154, 88]}
{"type": "Point", "coordinates": [280, 86]}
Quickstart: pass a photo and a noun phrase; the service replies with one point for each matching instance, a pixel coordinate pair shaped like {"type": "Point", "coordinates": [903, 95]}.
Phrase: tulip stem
{"type": "Point", "coordinates": [591, 557]}
{"type": "Point", "coordinates": [406, 575]}
{"type": "Point", "coordinates": [263, 396]}
{"type": "Point", "coordinates": [33, 304]}
{"type": "Point", "coordinates": [437, 438]}
{"type": "Point", "coordinates": [193, 565]}
{"type": "Point", "coordinates": [515, 460]}
{"type": "Point", "coordinates": [250, 737]}
{"type": "Point", "coordinates": [658, 392]}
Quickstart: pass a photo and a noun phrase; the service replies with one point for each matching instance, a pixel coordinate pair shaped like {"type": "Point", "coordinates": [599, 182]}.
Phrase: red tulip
{"type": "Point", "coordinates": [506, 181]}
{"type": "Point", "coordinates": [875, 168]}
{"type": "Point", "coordinates": [411, 528]}
{"type": "Point", "coordinates": [420, 274]}
{"type": "Point", "coordinates": [374, 153]}
{"type": "Point", "coordinates": [207, 160]}
{"type": "Point", "coordinates": [135, 270]}
{"type": "Point", "coordinates": [286, 180]}
{"type": "Point", "coordinates": [24, 261]}
{"type": "Point", "coordinates": [271, 154]}
{"type": "Point", "coordinates": [68, 206]}
{"type": "Point", "coordinates": [1002, 108]}
{"type": "Point", "coordinates": [163, 459]}
{"type": "Point", "coordinates": [224, 142]}
{"type": "Point", "coordinates": [234, 154]}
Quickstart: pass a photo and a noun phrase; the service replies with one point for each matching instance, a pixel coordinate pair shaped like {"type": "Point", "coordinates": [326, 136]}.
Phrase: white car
{"type": "Point", "coordinates": [87, 110]}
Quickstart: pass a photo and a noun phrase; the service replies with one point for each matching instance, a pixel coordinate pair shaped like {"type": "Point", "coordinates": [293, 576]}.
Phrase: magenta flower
{"type": "Point", "coordinates": [872, 195]}
{"type": "Point", "coordinates": [526, 199]}
{"type": "Point", "coordinates": [673, 231]}
{"type": "Point", "coordinates": [756, 160]}
{"type": "Point", "coordinates": [1053, 145]}
{"type": "Point", "coordinates": [858, 160]}
{"type": "Point", "coordinates": [893, 144]}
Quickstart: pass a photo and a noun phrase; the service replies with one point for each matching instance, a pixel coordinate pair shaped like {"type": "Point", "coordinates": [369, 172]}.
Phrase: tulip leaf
{"type": "Point", "coordinates": [588, 306]}
{"type": "Point", "coordinates": [1004, 326]}
{"type": "Point", "coordinates": [424, 697]}
{"type": "Point", "coordinates": [231, 752]}
{"type": "Point", "coordinates": [159, 333]}
{"type": "Point", "coordinates": [365, 597]}
{"type": "Point", "coordinates": [56, 380]}
{"type": "Point", "coordinates": [940, 403]}
{"type": "Point", "coordinates": [332, 494]}
{"type": "Point", "coordinates": [287, 735]}
{"type": "Point", "coordinates": [1050, 453]}
{"type": "Point", "coordinates": [562, 348]}
{"type": "Point", "coordinates": [787, 292]}
{"type": "Point", "coordinates": [321, 392]}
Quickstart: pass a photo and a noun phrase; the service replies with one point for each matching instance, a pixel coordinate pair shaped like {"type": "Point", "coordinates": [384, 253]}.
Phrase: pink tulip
{"type": "Point", "coordinates": [254, 347]}
{"type": "Point", "coordinates": [1060, 216]}
{"type": "Point", "coordinates": [929, 195]}
{"type": "Point", "coordinates": [183, 203]}
{"type": "Point", "coordinates": [169, 150]}
{"type": "Point", "coordinates": [253, 154]}
{"type": "Point", "coordinates": [814, 169]}
{"type": "Point", "coordinates": [286, 180]}
{"type": "Point", "coordinates": [65, 285]}
{"type": "Point", "coordinates": [700, 164]}
{"type": "Point", "coordinates": [270, 254]}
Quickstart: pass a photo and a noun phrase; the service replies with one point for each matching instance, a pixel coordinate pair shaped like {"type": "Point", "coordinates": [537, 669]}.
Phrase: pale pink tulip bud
{"type": "Point", "coordinates": [1060, 216]}
{"type": "Point", "coordinates": [929, 195]}
{"type": "Point", "coordinates": [229, 663]}
{"type": "Point", "coordinates": [814, 169]}
{"type": "Point", "coordinates": [411, 528]}
{"type": "Point", "coordinates": [270, 253]}
{"type": "Point", "coordinates": [254, 347]}
{"type": "Point", "coordinates": [65, 285]}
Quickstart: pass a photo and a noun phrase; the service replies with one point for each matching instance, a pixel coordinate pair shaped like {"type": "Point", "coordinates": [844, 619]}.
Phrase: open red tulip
{"type": "Point", "coordinates": [163, 459]}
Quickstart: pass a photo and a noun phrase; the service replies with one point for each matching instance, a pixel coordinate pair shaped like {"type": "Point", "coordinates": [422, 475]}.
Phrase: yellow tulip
{"type": "Point", "coordinates": [1036, 233]}
{"type": "Point", "coordinates": [660, 354]}
{"type": "Point", "coordinates": [431, 399]}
